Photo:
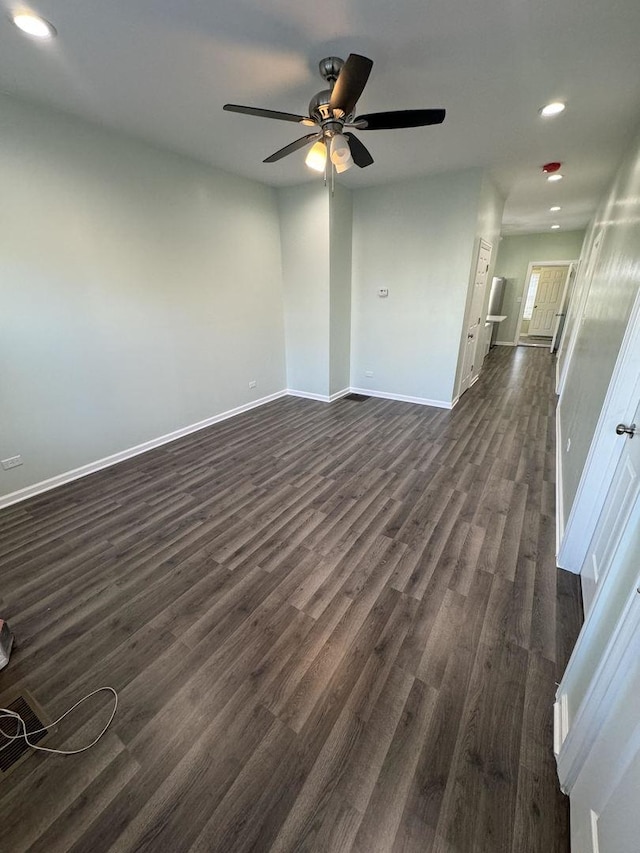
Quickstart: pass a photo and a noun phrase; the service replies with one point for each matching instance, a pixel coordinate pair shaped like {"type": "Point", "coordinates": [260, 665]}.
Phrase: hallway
{"type": "Point", "coordinates": [332, 627]}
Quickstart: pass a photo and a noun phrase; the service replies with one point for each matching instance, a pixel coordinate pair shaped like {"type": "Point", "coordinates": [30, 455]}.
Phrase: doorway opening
{"type": "Point", "coordinates": [543, 303]}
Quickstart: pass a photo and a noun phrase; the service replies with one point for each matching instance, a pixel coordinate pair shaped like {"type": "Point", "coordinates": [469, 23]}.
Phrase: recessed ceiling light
{"type": "Point", "coordinates": [552, 109]}
{"type": "Point", "coordinates": [34, 25]}
{"type": "Point", "coordinates": [555, 177]}
{"type": "Point", "coordinates": [555, 208]}
{"type": "Point", "coordinates": [553, 227]}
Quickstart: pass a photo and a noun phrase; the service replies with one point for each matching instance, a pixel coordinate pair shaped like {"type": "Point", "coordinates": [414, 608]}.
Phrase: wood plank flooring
{"type": "Point", "coordinates": [332, 628]}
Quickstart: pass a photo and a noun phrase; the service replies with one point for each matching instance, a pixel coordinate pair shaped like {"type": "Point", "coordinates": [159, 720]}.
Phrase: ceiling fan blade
{"type": "Point", "coordinates": [256, 111]}
{"type": "Point", "coordinates": [361, 156]}
{"type": "Point", "coordinates": [293, 146]}
{"type": "Point", "coordinates": [398, 119]}
{"type": "Point", "coordinates": [350, 83]}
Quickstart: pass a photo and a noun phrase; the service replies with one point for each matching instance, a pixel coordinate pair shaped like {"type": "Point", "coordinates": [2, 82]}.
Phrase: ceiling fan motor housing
{"type": "Point", "coordinates": [319, 106]}
{"type": "Point", "coordinates": [330, 67]}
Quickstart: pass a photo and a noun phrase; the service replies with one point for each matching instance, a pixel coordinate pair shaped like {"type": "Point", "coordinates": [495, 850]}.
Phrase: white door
{"type": "Point", "coordinates": [472, 350]}
{"type": "Point", "coordinates": [599, 764]}
{"type": "Point", "coordinates": [621, 497]}
{"type": "Point", "coordinates": [548, 300]}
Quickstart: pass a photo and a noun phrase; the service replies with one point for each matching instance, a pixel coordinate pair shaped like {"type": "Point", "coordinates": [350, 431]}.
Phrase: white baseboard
{"type": "Point", "coordinates": [320, 398]}
{"type": "Point", "coordinates": [339, 394]}
{"type": "Point", "coordinates": [403, 398]}
{"type": "Point", "coordinates": [559, 504]}
{"type": "Point", "coordinates": [505, 343]}
{"type": "Point", "coordinates": [559, 507]}
{"type": "Point", "coordinates": [107, 461]}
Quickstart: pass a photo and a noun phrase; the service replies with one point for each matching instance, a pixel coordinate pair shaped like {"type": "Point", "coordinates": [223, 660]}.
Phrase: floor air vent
{"type": "Point", "coordinates": [359, 398]}
{"type": "Point", "coordinates": [18, 749]}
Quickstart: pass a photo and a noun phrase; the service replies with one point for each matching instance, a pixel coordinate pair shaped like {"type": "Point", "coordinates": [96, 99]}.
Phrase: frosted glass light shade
{"type": "Point", "coordinates": [340, 152]}
{"type": "Point", "coordinates": [317, 157]}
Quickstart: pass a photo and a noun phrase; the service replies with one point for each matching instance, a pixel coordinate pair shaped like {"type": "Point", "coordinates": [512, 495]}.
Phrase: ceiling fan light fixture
{"type": "Point", "coordinates": [316, 159]}
{"type": "Point", "coordinates": [34, 25]}
{"type": "Point", "coordinates": [333, 109]}
{"type": "Point", "coordinates": [339, 151]}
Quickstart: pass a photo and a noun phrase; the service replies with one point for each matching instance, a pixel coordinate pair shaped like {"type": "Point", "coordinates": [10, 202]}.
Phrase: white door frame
{"type": "Point", "coordinates": [604, 453]}
{"type": "Point", "coordinates": [482, 243]}
{"type": "Point", "coordinates": [525, 288]}
{"type": "Point", "coordinates": [564, 302]}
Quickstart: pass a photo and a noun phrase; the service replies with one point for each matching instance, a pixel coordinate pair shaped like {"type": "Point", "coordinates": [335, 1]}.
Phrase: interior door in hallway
{"type": "Point", "coordinates": [599, 763]}
{"type": "Point", "coordinates": [548, 300]}
{"type": "Point", "coordinates": [475, 324]}
{"type": "Point", "coordinates": [620, 499]}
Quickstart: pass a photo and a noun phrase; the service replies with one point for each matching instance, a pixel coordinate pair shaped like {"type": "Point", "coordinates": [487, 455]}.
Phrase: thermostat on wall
{"type": "Point", "coordinates": [383, 292]}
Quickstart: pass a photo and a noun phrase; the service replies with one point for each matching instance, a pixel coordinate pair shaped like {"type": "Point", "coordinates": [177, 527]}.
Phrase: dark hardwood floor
{"type": "Point", "coordinates": [332, 628]}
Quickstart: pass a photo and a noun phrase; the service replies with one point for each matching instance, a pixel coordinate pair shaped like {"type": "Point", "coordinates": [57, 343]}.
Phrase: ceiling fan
{"type": "Point", "coordinates": [332, 110]}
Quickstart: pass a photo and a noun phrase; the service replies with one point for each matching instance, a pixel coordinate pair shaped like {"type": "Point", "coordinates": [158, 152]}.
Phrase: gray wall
{"type": "Point", "coordinates": [415, 238]}
{"type": "Point", "coordinates": [141, 291]}
{"type": "Point", "coordinates": [514, 256]}
{"type": "Point", "coordinates": [611, 294]}
{"type": "Point", "coordinates": [341, 218]}
{"type": "Point", "coordinates": [304, 228]}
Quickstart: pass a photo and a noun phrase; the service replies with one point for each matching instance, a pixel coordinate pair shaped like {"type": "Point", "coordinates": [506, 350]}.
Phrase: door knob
{"type": "Point", "coordinates": [622, 429]}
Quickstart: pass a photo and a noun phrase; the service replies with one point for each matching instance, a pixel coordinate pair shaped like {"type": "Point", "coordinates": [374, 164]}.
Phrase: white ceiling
{"type": "Point", "coordinates": [162, 69]}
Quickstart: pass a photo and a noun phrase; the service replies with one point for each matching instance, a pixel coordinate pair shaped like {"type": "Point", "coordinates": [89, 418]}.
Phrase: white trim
{"type": "Point", "coordinates": [595, 844]}
{"type": "Point", "coordinates": [320, 398]}
{"type": "Point", "coordinates": [91, 467]}
{"type": "Point", "coordinates": [464, 341]}
{"type": "Point", "coordinates": [525, 287]}
{"type": "Point", "coordinates": [309, 395]}
{"type": "Point", "coordinates": [403, 398]}
{"type": "Point", "coordinates": [107, 461]}
{"type": "Point", "coordinates": [560, 723]}
{"type": "Point", "coordinates": [606, 447]}
{"type": "Point", "coordinates": [339, 394]}
{"type": "Point", "coordinates": [505, 344]}
{"type": "Point", "coordinates": [557, 729]}
{"type": "Point", "coordinates": [559, 500]}
{"type": "Point", "coordinates": [564, 305]}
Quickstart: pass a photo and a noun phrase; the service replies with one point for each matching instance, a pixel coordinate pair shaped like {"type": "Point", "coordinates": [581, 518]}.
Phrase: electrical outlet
{"type": "Point", "coordinates": [368, 373]}
{"type": "Point", "coordinates": [383, 292]}
{"type": "Point", "coordinates": [11, 462]}
{"type": "Point", "coordinates": [253, 384]}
